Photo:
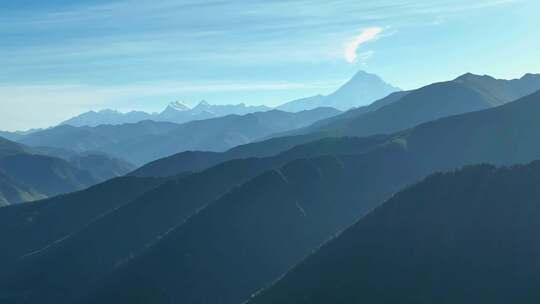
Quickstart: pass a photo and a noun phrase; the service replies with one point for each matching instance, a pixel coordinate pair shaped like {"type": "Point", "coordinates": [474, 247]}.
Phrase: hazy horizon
{"type": "Point", "coordinates": [61, 59]}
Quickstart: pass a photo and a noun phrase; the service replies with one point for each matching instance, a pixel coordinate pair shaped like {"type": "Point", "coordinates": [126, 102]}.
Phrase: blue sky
{"type": "Point", "coordinates": [62, 57]}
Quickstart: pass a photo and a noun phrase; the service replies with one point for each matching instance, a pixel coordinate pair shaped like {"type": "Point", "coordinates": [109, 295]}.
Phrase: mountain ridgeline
{"type": "Point", "coordinates": [176, 112]}
{"type": "Point", "coordinates": [398, 111]}
{"type": "Point", "coordinates": [468, 236]}
{"type": "Point", "coordinates": [28, 174]}
{"type": "Point", "coordinates": [145, 141]}
{"type": "Point", "coordinates": [187, 254]}
{"type": "Point", "coordinates": [256, 218]}
{"type": "Point", "coordinates": [362, 89]}
{"type": "Point", "coordinates": [318, 216]}
{"type": "Point", "coordinates": [404, 110]}
{"type": "Point", "coordinates": [33, 226]}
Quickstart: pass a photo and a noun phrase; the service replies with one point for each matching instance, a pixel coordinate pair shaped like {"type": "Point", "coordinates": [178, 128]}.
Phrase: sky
{"type": "Point", "coordinates": [59, 58]}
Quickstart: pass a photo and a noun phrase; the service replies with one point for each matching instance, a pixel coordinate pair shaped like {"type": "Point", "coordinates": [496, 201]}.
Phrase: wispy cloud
{"type": "Point", "coordinates": [188, 28]}
{"type": "Point", "coordinates": [206, 46]}
{"type": "Point", "coordinates": [366, 35]}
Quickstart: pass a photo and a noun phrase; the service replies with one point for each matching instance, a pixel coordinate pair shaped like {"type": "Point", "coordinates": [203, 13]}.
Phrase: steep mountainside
{"type": "Point", "coordinates": [144, 221]}
{"type": "Point", "coordinates": [14, 192]}
{"type": "Point", "coordinates": [156, 239]}
{"type": "Point", "coordinates": [362, 89]}
{"type": "Point", "coordinates": [146, 141]}
{"type": "Point", "coordinates": [145, 246]}
{"type": "Point", "coordinates": [33, 226]}
{"type": "Point", "coordinates": [254, 233]}
{"type": "Point", "coordinates": [462, 237]}
{"type": "Point", "coordinates": [412, 154]}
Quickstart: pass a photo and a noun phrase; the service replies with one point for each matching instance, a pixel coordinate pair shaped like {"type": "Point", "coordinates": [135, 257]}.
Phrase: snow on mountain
{"type": "Point", "coordinates": [177, 111]}
{"type": "Point", "coordinates": [362, 89]}
{"type": "Point", "coordinates": [179, 106]}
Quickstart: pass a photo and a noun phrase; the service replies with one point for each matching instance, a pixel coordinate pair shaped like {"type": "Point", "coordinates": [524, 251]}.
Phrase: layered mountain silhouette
{"type": "Point", "coordinates": [221, 234]}
{"type": "Point", "coordinates": [176, 112]}
{"type": "Point", "coordinates": [198, 160]}
{"type": "Point", "coordinates": [194, 161]}
{"type": "Point", "coordinates": [362, 89]}
{"type": "Point", "coordinates": [125, 231]}
{"type": "Point", "coordinates": [398, 111]}
{"type": "Point", "coordinates": [16, 135]}
{"type": "Point", "coordinates": [462, 237]}
{"type": "Point", "coordinates": [101, 165]}
{"type": "Point", "coordinates": [9, 148]}
{"type": "Point", "coordinates": [13, 191]}
{"type": "Point", "coordinates": [28, 174]}
{"type": "Point", "coordinates": [149, 140]}
{"type": "Point", "coordinates": [107, 117]}
{"type": "Point", "coordinates": [151, 219]}
{"type": "Point", "coordinates": [402, 160]}
{"type": "Point", "coordinates": [33, 226]}
{"type": "Point", "coordinates": [466, 93]}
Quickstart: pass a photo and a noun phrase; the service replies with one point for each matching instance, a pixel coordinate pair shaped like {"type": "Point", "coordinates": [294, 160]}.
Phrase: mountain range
{"type": "Point", "coordinates": [404, 110]}
{"type": "Point", "coordinates": [395, 112]}
{"type": "Point", "coordinates": [177, 112]}
{"type": "Point", "coordinates": [145, 141]}
{"type": "Point", "coordinates": [362, 89]}
{"type": "Point", "coordinates": [223, 233]}
{"type": "Point", "coordinates": [187, 253]}
{"type": "Point", "coordinates": [179, 265]}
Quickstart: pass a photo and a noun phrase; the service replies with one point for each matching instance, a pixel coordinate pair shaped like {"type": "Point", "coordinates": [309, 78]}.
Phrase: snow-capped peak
{"type": "Point", "coordinates": [203, 103]}
{"type": "Point", "coordinates": [179, 106]}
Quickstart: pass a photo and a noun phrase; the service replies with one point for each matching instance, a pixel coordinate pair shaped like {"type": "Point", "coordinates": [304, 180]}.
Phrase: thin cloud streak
{"type": "Point", "coordinates": [367, 35]}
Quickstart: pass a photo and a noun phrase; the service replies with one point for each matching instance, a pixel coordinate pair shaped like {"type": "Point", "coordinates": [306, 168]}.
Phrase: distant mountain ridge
{"type": "Point", "coordinates": [145, 141]}
{"type": "Point", "coordinates": [177, 112]}
{"type": "Point", "coordinates": [362, 89]}
{"type": "Point", "coordinates": [395, 112]}
{"type": "Point", "coordinates": [28, 174]}
{"type": "Point", "coordinates": [17, 135]}
{"type": "Point", "coordinates": [402, 110]}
